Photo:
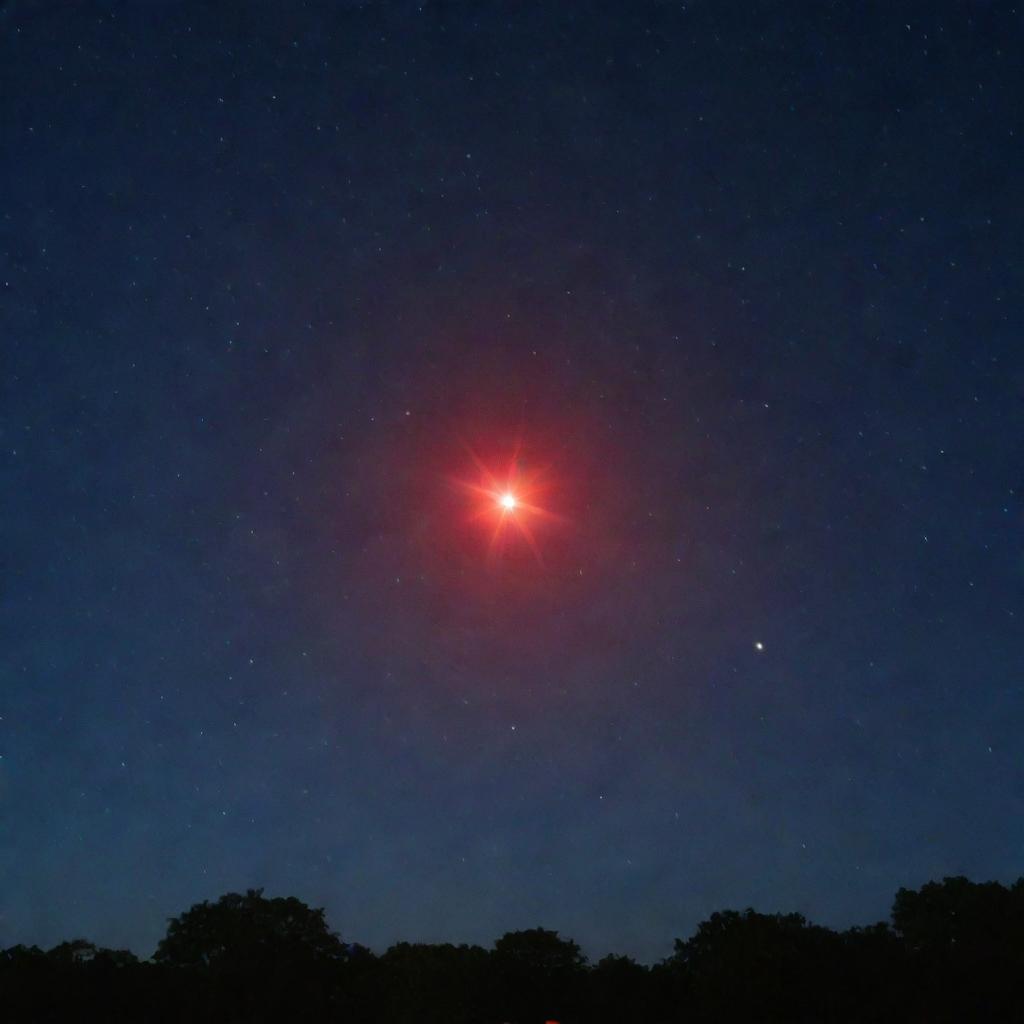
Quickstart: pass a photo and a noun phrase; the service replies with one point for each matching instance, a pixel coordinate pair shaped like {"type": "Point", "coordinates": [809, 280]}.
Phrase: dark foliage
{"type": "Point", "coordinates": [433, 984]}
{"type": "Point", "coordinates": [954, 952]}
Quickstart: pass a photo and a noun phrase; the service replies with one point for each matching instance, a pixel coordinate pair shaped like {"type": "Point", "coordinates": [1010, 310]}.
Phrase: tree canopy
{"type": "Point", "coordinates": [954, 951]}
{"type": "Point", "coordinates": [247, 929]}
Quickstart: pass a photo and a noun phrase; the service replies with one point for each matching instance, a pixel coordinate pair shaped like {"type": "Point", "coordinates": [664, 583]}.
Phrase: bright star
{"type": "Point", "coordinates": [508, 501]}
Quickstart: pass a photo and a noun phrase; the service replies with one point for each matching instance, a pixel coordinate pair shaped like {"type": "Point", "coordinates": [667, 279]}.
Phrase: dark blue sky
{"type": "Point", "coordinates": [743, 280]}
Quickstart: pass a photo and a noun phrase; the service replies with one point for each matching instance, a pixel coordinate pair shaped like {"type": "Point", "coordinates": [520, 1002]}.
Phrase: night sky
{"type": "Point", "coordinates": [729, 293]}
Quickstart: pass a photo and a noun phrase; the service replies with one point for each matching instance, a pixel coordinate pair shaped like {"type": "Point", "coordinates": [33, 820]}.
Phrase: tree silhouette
{"type": "Point", "coordinates": [441, 983]}
{"type": "Point", "coordinates": [768, 967]}
{"type": "Point", "coordinates": [618, 989]}
{"type": "Point", "coordinates": [247, 930]}
{"type": "Point", "coordinates": [966, 944]}
{"type": "Point", "coordinates": [262, 959]}
{"type": "Point", "coordinates": [538, 975]}
{"type": "Point", "coordinates": [954, 952]}
{"type": "Point", "coordinates": [959, 914]}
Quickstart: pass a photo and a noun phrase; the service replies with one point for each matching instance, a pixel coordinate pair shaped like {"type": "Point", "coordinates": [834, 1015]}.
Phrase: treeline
{"type": "Point", "coordinates": [953, 951]}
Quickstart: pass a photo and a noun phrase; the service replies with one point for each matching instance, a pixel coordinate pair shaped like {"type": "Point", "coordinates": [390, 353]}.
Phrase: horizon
{"type": "Point", "coordinates": [592, 956]}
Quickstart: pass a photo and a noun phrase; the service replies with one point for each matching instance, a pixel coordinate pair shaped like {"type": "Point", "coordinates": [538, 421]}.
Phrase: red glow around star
{"type": "Point", "coordinates": [508, 504]}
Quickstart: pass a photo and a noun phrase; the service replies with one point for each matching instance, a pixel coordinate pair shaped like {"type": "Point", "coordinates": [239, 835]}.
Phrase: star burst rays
{"type": "Point", "coordinates": [508, 504]}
